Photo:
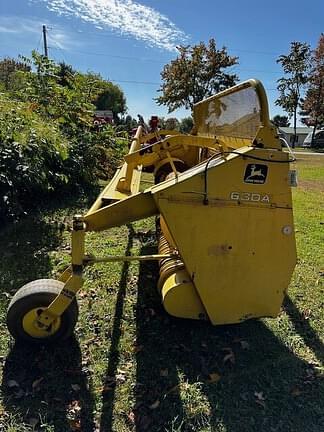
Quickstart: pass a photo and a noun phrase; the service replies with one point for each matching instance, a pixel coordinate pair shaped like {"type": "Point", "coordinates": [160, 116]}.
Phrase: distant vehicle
{"type": "Point", "coordinates": [318, 141]}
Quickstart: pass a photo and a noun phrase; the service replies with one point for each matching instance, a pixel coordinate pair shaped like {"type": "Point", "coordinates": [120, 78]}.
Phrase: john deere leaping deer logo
{"type": "Point", "coordinates": [255, 173]}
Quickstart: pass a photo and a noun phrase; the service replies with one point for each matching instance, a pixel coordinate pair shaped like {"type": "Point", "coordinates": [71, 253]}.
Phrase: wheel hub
{"type": "Point", "coordinates": [35, 329]}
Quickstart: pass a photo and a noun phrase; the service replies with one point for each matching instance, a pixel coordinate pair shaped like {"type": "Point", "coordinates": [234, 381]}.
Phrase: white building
{"type": "Point", "coordinates": [301, 134]}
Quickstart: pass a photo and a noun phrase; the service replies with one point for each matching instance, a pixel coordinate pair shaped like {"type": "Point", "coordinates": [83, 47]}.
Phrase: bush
{"type": "Point", "coordinates": [37, 160]}
{"type": "Point", "coordinates": [95, 155]}
{"type": "Point", "coordinates": [47, 138]}
{"type": "Point", "coordinates": [32, 154]}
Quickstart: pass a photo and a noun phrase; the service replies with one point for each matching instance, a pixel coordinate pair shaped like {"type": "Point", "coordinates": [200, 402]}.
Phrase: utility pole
{"type": "Point", "coordinates": [45, 41]}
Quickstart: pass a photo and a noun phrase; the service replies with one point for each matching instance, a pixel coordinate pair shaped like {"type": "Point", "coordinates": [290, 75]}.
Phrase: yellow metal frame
{"type": "Point", "coordinates": [121, 202]}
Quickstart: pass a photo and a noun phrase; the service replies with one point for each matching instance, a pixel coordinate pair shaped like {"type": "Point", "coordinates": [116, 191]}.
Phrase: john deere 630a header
{"type": "Point", "coordinates": [226, 244]}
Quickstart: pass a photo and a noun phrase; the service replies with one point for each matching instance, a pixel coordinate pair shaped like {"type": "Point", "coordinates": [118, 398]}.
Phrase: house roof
{"type": "Point", "coordinates": [299, 130]}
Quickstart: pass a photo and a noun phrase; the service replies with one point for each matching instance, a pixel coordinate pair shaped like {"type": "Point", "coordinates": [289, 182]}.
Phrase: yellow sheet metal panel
{"type": "Point", "coordinates": [112, 193]}
{"type": "Point", "coordinates": [130, 209]}
{"type": "Point", "coordinates": [239, 250]}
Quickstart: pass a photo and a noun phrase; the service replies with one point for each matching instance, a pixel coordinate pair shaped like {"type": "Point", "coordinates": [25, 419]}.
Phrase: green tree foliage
{"type": "Point", "coordinates": [199, 71]}
{"type": "Point", "coordinates": [127, 124]}
{"type": "Point", "coordinates": [47, 138]}
{"type": "Point", "coordinates": [8, 67]}
{"type": "Point", "coordinates": [65, 74]}
{"type": "Point", "coordinates": [186, 124]}
{"type": "Point", "coordinates": [32, 156]}
{"type": "Point", "coordinates": [110, 97]}
{"type": "Point", "coordinates": [313, 104]}
{"type": "Point", "coordinates": [162, 121]}
{"type": "Point", "coordinates": [172, 123]}
{"type": "Point", "coordinates": [281, 121]}
{"type": "Point", "coordinates": [295, 67]}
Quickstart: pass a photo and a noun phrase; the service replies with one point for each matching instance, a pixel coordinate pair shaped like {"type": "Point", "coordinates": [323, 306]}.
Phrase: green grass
{"type": "Point", "coordinates": [131, 367]}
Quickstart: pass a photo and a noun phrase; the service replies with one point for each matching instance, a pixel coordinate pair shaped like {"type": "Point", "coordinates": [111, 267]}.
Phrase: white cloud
{"type": "Point", "coordinates": [18, 25]}
{"type": "Point", "coordinates": [123, 16]}
{"type": "Point", "coordinates": [27, 27]}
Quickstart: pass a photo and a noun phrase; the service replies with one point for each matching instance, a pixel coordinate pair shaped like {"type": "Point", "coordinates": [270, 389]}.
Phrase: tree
{"type": "Point", "coordinates": [197, 72]}
{"type": "Point", "coordinates": [172, 123]}
{"type": "Point", "coordinates": [186, 124]}
{"type": "Point", "coordinates": [127, 124]}
{"type": "Point", "coordinates": [295, 67]}
{"type": "Point", "coordinates": [65, 74]}
{"type": "Point", "coordinates": [111, 98]}
{"type": "Point", "coordinates": [281, 121]}
{"type": "Point", "coordinates": [47, 138]}
{"type": "Point", "coordinates": [313, 104]}
{"type": "Point", "coordinates": [162, 122]}
{"type": "Point", "coordinates": [8, 67]}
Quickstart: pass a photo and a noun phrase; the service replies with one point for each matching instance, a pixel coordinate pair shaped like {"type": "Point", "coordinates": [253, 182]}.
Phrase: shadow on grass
{"type": "Point", "coordinates": [26, 245]}
{"type": "Point", "coordinates": [114, 354]}
{"type": "Point", "coordinates": [305, 331]}
{"type": "Point", "coordinates": [48, 386]}
{"type": "Point", "coordinates": [263, 386]}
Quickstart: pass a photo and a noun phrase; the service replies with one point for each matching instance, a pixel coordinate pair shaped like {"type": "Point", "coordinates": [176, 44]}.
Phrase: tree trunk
{"type": "Point", "coordinates": [295, 133]}
{"type": "Point", "coordinates": [313, 133]}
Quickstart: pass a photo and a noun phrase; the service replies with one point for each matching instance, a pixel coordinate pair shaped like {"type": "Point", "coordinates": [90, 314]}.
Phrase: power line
{"type": "Point", "coordinates": [256, 70]}
{"type": "Point", "coordinates": [115, 56]}
{"type": "Point", "coordinates": [254, 52]}
{"type": "Point", "coordinates": [39, 40]}
{"type": "Point", "coordinates": [134, 82]}
{"type": "Point", "coordinates": [52, 40]}
{"type": "Point", "coordinates": [151, 60]}
{"type": "Point", "coordinates": [115, 36]}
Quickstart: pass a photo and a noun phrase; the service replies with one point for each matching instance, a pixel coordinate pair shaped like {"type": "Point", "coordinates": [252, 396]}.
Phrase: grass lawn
{"type": "Point", "coordinates": [131, 367]}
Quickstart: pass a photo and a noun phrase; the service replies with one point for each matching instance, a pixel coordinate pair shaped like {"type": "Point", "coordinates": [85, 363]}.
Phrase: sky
{"type": "Point", "coordinates": [129, 41]}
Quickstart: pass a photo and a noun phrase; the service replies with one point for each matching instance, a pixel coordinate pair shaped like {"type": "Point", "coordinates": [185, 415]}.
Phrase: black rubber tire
{"type": "Point", "coordinates": [39, 293]}
{"type": "Point", "coordinates": [166, 169]}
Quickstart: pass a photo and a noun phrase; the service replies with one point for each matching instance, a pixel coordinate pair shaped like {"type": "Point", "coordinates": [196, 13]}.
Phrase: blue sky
{"type": "Point", "coordinates": [129, 41]}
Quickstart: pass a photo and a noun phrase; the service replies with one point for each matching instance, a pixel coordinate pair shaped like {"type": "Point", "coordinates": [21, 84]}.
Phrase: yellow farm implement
{"type": "Point", "coordinates": [226, 236]}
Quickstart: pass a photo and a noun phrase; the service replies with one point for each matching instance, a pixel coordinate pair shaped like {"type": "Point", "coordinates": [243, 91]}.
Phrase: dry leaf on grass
{"type": "Point", "coordinates": [120, 378]}
{"type": "Point", "coordinates": [75, 425]}
{"type": "Point", "coordinates": [229, 357]}
{"type": "Point", "coordinates": [131, 417]}
{"type": "Point", "coordinates": [137, 348]}
{"type": "Point", "coordinates": [36, 384]}
{"type": "Point", "coordinates": [244, 344]}
{"type": "Point", "coordinates": [295, 391]}
{"type": "Point", "coordinates": [213, 378]}
{"type": "Point", "coordinates": [259, 395]}
{"type": "Point", "coordinates": [154, 405]}
{"type": "Point", "coordinates": [12, 383]}
{"type": "Point", "coordinates": [74, 409]}
{"type": "Point", "coordinates": [259, 398]}
{"type": "Point", "coordinates": [76, 387]}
